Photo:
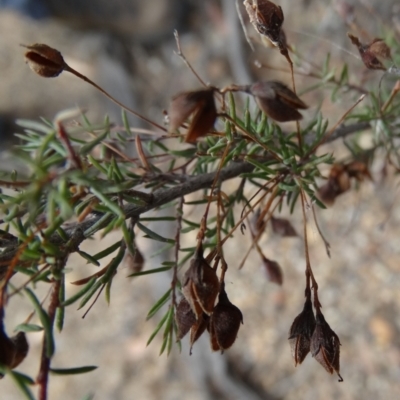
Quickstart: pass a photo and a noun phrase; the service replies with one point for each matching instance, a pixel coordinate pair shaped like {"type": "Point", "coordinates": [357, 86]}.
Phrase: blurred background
{"type": "Point", "coordinates": [127, 47]}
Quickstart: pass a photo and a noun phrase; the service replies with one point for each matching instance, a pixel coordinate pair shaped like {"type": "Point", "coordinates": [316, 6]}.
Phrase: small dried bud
{"type": "Point", "coordinates": [134, 262]}
{"type": "Point", "coordinates": [44, 60]}
{"type": "Point", "coordinates": [277, 101]}
{"type": "Point", "coordinates": [325, 346]}
{"type": "Point", "coordinates": [224, 323]}
{"type": "Point", "coordinates": [274, 271]}
{"type": "Point", "coordinates": [184, 318]}
{"type": "Point", "coordinates": [267, 19]}
{"type": "Point", "coordinates": [370, 52]}
{"type": "Point", "coordinates": [201, 104]}
{"type": "Point", "coordinates": [283, 227]}
{"type": "Point", "coordinates": [301, 331]}
{"type": "Point", "coordinates": [200, 285]}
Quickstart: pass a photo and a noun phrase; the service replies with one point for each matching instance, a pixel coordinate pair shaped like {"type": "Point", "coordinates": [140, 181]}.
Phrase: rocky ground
{"type": "Point", "coordinates": [359, 284]}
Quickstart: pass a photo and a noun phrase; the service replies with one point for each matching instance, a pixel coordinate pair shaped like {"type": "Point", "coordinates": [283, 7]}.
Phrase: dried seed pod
{"type": "Point", "coordinates": [12, 350]}
{"type": "Point", "coordinates": [200, 285]}
{"type": "Point", "coordinates": [338, 183]}
{"type": "Point", "coordinates": [21, 348]}
{"type": "Point", "coordinates": [301, 331]}
{"type": "Point", "coordinates": [184, 318]}
{"type": "Point", "coordinates": [44, 60]}
{"type": "Point", "coordinates": [267, 19]}
{"type": "Point", "coordinates": [325, 346]}
{"type": "Point", "coordinates": [283, 227]}
{"type": "Point", "coordinates": [274, 271]}
{"type": "Point", "coordinates": [198, 103]}
{"type": "Point", "coordinates": [358, 170]}
{"type": "Point", "coordinates": [277, 101]}
{"type": "Point", "coordinates": [224, 323]}
{"type": "Point", "coordinates": [370, 52]}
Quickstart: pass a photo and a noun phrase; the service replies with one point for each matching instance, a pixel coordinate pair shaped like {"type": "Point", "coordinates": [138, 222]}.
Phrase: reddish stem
{"type": "Point", "coordinates": [43, 375]}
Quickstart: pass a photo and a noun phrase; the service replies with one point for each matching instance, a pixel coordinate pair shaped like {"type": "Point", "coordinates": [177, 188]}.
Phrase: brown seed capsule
{"type": "Point", "coordinates": [370, 52]}
{"type": "Point", "coordinates": [338, 183]}
{"type": "Point", "coordinates": [184, 318]}
{"type": "Point", "coordinates": [200, 285]}
{"type": "Point", "coordinates": [273, 270]}
{"type": "Point", "coordinates": [224, 323]}
{"type": "Point", "coordinates": [301, 331]}
{"type": "Point", "coordinates": [283, 227]}
{"type": "Point", "coordinates": [21, 348]}
{"type": "Point", "coordinates": [277, 101]}
{"type": "Point", "coordinates": [201, 105]}
{"type": "Point", "coordinates": [267, 18]}
{"type": "Point", "coordinates": [12, 350]}
{"type": "Point", "coordinates": [358, 170]}
{"type": "Point", "coordinates": [44, 60]}
{"type": "Point", "coordinates": [325, 346]}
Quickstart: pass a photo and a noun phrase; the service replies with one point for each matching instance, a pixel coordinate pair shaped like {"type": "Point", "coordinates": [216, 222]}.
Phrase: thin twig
{"type": "Point", "coordinates": [180, 54]}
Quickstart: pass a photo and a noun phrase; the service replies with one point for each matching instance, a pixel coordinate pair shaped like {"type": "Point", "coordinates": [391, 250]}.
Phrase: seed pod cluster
{"type": "Point", "coordinates": [310, 333]}
{"type": "Point", "coordinates": [197, 310]}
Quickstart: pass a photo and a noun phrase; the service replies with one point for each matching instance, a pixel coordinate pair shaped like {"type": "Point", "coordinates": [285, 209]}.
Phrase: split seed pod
{"type": "Point", "coordinates": [184, 318]}
{"type": "Point", "coordinates": [325, 346]}
{"type": "Point", "coordinates": [267, 19]}
{"type": "Point", "coordinates": [201, 105]}
{"type": "Point", "coordinates": [277, 101]}
{"type": "Point", "coordinates": [224, 323]}
{"type": "Point", "coordinates": [301, 331]}
{"type": "Point", "coordinates": [371, 53]}
{"type": "Point", "coordinates": [200, 285]}
{"type": "Point", "coordinates": [44, 60]}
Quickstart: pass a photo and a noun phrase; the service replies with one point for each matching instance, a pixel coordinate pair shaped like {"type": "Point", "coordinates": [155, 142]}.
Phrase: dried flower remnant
{"type": "Point", "coordinates": [267, 19]}
{"type": "Point", "coordinates": [224, 323]}
{"type": "Point", "coordinates": [301, 331]}
{"type": "Point", "coordinates": [370, 53]}
{"type": "Point", "coordinates": [44, 60]}
{"type": "Point", "coordinates": [283, 227]}
{"type": "Point", "coordinates": [273, 270]}
{"type": "Point", "coordinates": [200, 285]}
{"type": "Point", "coordinates": [184, 318]}
{"type": "Point", "coordinates": [277, 101]}
{"type": "Point", "coordinates": [201, 105]}
{"type": "Point", "coordinates": [325, 346]}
